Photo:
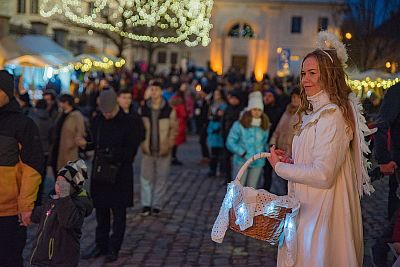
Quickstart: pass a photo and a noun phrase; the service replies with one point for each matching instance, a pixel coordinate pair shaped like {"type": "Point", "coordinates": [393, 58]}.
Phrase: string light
{"type": "Point", "coordinates": [105, 64]}
{"type": "Point", "coordinates": [242, 215]}
{"type": "Point", "coordinates": [372, 85]}
{"type": "Point", "coordinates": [188, 20]}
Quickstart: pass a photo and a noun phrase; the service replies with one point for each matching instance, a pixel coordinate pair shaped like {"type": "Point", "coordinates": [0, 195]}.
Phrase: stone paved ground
{"type": "Point", "coordinates": [181, 235]}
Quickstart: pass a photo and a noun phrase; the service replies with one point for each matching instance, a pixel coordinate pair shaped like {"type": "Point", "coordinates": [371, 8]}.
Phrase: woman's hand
{"type": "Point", "coordinates": [274, 158]}
{"type": "Point", "coordinates": [285, 158]}
{"type": "Point", "coordinates": [278, 155]}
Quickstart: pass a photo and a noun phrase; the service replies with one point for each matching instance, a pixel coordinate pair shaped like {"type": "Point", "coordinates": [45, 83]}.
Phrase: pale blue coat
{"type": "Point", "coordinates": [250, 141]}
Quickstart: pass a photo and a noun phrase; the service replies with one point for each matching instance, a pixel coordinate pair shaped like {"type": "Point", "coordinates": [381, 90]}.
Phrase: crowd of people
{"type": "Point", "coordinates": [115, 114]}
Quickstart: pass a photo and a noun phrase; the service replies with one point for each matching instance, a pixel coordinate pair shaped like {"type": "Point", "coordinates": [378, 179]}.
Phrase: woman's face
{"type": "Point", "coordinates": [295, 100]}
{"type": "Point", "coordinates": [310, 75]}
{"type": "Point", "coordinates": [256, 113]}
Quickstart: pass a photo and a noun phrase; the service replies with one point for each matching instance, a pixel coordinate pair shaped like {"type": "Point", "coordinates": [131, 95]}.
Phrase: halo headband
{"type": "Point", "coordinates": [326, 53]}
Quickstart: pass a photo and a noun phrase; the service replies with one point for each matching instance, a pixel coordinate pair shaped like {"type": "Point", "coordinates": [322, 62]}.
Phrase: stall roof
{"type": "Point", "coordinates": [45, 47]}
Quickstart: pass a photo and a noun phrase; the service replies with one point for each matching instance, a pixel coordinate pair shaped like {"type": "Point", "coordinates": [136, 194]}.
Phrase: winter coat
{"type": "Point", "coordinates": [274, 113]}
{"type": "Point", "coordinates": [231, 115]}
{"type": "Point", "coordinates": [60, 221]}
{"type": "Point", "coordinates": [21, 160]}
{"type": "Point", "coordinates": [182, 116]}
{"type": "Point", "coordinates": [45, 125]}
{"type": "Point", "coordinates": [214, 128]}
{"type": "Point", "coordinates": [323, 178]}
{"type": "Point", "coordinates": [389, 118]}
{"type": "Point", "coordinates": [73, 127]}
{"type": "Point", "coordinates": [121, 135]}
{"type": "Point", "coordinates": [284, 132]}
{"type": "Point", "coordinates": [201, 108]}
{"type": "Point", "coordinates": [245, 143]}
{"type": "Point", "coordinates": [168, 128]}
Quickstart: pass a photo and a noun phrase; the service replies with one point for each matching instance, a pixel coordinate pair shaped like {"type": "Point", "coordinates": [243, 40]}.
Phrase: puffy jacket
{"type": "Point", "coordinates": [57, 241]}
{"type": "Point", "coordinates": [21, 161]}
{"type": "Point", "coordinates": [247, 141]}
{"type": "Point", "coordinates": [168, 128]}
{"type": "Point", "coordinates": [214, 128]}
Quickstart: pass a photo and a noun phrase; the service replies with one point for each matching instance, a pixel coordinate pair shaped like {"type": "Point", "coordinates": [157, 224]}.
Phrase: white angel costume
{"type": "Point", "coordinates": [328, 177]}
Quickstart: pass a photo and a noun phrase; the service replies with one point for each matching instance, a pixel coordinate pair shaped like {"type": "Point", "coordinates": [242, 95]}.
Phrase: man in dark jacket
{"type": "Point", "coordinates": [274, 113]}
{"type": "Point", "coordinates": [231, 115]}
{"type": "Point", "coordinates": [21, 161]}
{"type": "Point", "coordinates": [117, 138]}
{"type": "Point", "coordinates": [388, 157]}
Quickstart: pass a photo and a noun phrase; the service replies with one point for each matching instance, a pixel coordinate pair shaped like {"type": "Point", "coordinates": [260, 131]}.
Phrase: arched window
{"type": "Point", "coordinates": [241, 30]}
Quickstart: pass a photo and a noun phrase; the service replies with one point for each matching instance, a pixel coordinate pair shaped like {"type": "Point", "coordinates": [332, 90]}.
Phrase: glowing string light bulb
{"type": "Point", "coordinates": [186, 19]}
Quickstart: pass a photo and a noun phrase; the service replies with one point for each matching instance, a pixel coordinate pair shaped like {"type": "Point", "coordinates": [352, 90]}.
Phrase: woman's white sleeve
{"type": "Point", "coordinates": [328, 154]}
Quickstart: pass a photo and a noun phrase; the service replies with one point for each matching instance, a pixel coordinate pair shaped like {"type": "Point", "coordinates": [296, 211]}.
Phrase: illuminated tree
{"type": "Point", "coordinates": [155, 22]}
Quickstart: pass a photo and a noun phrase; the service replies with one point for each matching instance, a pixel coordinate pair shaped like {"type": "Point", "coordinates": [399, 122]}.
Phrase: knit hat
{"type": "Point", "coordinates": [7, 83]}
{"type": "Point", "coordinates": [255, 101]}
{"type": "Point", "coordinates": [107, 100]}
{"type": "Point", "coordinates": [75, 172]}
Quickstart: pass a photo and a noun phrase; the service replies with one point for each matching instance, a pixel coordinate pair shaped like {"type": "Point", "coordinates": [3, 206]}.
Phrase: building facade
{"type": "Point", "coordinates": [253, 36]}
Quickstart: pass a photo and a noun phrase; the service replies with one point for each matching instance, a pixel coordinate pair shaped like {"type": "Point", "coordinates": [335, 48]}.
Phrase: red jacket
{"type": "Point", "coordinates": [181, 114]}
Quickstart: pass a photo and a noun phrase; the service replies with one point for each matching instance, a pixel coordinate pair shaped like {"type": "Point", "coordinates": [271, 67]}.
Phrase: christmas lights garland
{"type": "Point", "coordinates": [189, 19]}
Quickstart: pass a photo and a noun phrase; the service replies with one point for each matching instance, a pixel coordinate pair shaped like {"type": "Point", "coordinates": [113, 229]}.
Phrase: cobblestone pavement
{"type": "Point", "coordinates": [180, 236]}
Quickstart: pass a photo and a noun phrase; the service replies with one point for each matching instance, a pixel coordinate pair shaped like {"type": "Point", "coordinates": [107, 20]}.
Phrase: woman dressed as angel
{"type": "Point", "coordinates": [327, 171]}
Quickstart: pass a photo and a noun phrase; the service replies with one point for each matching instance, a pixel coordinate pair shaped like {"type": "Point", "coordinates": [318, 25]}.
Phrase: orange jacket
{"type": "Point", "coordinates": [21, 161]}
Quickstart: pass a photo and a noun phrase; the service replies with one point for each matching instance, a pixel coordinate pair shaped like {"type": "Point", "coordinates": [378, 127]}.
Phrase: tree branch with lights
{"type": "Point", "coordinates": [141, 21]}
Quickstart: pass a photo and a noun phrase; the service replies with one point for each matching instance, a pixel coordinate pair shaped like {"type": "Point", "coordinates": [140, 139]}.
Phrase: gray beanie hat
{"type": "Point", "coordinates": [107, 100]}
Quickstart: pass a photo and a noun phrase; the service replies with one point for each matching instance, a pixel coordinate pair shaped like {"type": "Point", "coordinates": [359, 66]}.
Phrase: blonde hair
{"type": "Point", "coordinates": [333, 82]}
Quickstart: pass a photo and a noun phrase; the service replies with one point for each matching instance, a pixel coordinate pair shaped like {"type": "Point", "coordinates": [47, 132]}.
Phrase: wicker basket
{"type": "Point", "coordinates": [265, 227]}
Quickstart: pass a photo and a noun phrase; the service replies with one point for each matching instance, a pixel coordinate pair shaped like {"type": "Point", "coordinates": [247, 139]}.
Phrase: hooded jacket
{"type": "Point", "coordinates": [61, 220]}
{"type": "Point", "coordinates": [21, 160]}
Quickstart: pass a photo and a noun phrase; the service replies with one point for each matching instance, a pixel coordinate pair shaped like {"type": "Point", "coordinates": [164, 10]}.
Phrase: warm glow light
{"type": "Point", "coordinates": [294, 58]}
{"type": "Point", "coordinates": [198, 88]}
{"type": "Point", "coordinates": [279, 50]}
{"type": "Point", "coordinates": [348, 36]}
{"type": "Point", "coordinates": [388, 65]}
{"type": "Point", "coordinates": [216, 56]}
{"type": "Point", "coordinates": [261, 59]}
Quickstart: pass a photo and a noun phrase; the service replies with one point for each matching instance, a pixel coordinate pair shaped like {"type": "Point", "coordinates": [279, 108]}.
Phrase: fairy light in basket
{"type": "Point", "coordinates": [270, 209]}
{"type": "Point", "coordinates": [242, 214]}
{"type": "Point", "coordinates": [229, 196]}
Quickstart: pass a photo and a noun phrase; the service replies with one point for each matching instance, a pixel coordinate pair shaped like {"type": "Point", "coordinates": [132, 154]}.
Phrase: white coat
{"type": "Point", "coordinates": [323, 179]}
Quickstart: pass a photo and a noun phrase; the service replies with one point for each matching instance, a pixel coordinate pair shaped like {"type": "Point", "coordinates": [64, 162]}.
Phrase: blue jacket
{"type": "Point", "coordinates": [247, 141]}
{"type": "Point", "coordinates": [214, 129]}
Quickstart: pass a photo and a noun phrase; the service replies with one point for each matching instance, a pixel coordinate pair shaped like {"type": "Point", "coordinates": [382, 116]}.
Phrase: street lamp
{"type": "Point", "coordinates": [348, 35]}
{"type": "Point", "coordinates": [388, 65]}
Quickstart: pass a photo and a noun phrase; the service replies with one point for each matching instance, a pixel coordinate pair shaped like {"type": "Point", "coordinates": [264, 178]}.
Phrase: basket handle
{"type": "Point", "coordinates": [246, 165]}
